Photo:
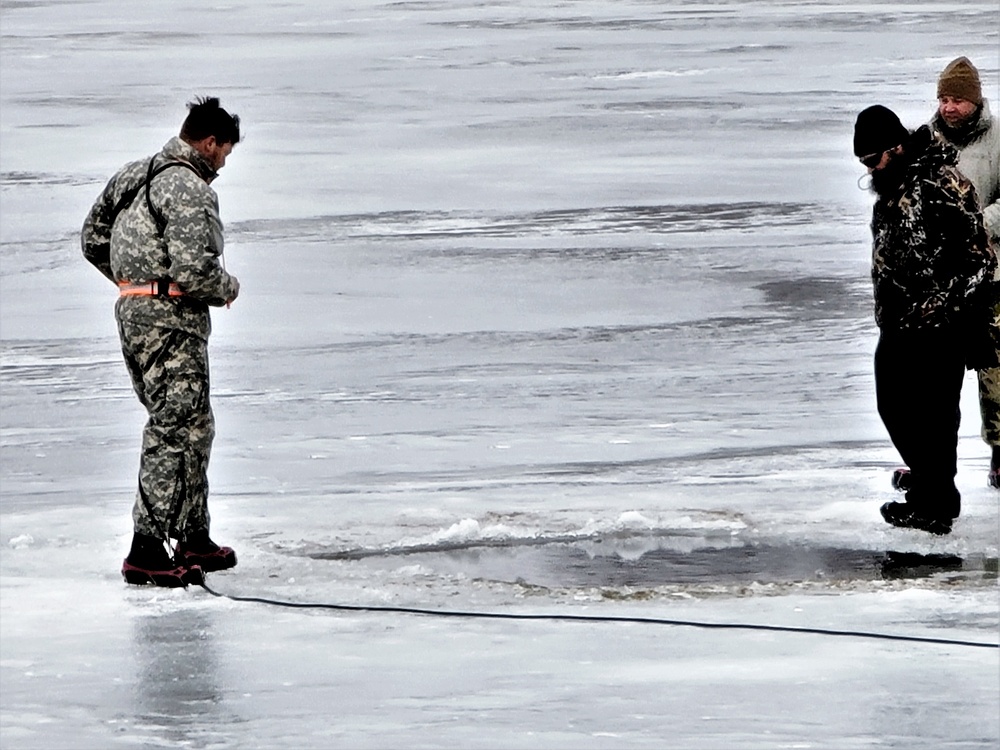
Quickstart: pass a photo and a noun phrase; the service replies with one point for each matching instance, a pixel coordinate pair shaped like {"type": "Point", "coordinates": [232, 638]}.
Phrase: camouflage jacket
{"type": "Point", "coordinates": [131, 248]}
{"type": "Point", "coordinates": [930, 252]}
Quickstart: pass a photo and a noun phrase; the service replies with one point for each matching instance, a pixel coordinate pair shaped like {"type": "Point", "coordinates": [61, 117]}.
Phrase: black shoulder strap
{"type": "Point", "coordinates": [129, 195]}
{"type": "Point", "coordinates": [125, 201]}
{"type": "Point", "coordinates": [161, 223]}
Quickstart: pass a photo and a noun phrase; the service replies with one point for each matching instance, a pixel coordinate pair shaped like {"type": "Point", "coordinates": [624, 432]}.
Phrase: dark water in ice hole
{"type": "Point", "coordinates": [640, 562]}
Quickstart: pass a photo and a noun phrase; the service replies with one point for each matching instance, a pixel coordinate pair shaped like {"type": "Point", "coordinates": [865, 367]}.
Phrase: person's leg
{"type": "Point", "coordinates": [154, 360]}
{"type": "Point", "coordinates": [194, 517]}
{"type": "Point", "coordinates": [893, 390]}
{"type": "Point", "coordinates": [195, 545]}
{"type": "Point", "coordinates": [942, 372]}
{"type": "Point", "coordinates": [177, 438]}
{"type": "Point", "coordinates": [918, 376]}
{"type": "Point", "coordinates": [989, 407]}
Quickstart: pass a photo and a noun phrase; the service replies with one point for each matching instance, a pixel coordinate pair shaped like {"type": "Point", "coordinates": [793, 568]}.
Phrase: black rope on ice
{"type": "Point", "coordinates": [595, 618]}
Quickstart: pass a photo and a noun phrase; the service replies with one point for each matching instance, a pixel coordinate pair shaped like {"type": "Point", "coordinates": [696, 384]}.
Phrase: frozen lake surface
{"type": "Point", "coordinates": [547, 308]}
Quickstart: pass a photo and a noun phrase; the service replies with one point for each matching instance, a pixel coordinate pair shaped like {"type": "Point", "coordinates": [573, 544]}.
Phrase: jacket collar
{"type": "Point", "coordinates": [927, 148]}
{"type": "Point", "coordinates": [178, 150]}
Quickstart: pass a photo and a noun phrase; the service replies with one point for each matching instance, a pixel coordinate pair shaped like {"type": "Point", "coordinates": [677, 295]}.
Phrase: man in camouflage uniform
{"type": "Point", "coordinates": [963, 119]}
{"type": "Point", "coordinates": [155, 232]}
{"type": "Point", "coordinates": [930, 256]}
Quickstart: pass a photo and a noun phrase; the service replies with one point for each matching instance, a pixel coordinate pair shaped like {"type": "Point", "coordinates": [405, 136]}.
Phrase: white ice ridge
{"type": "Point", "coordinates": [471, 532]}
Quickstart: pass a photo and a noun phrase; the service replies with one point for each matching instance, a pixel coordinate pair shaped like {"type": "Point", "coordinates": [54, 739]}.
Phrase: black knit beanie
{"type": "Point", "coordinates": [877, 129]}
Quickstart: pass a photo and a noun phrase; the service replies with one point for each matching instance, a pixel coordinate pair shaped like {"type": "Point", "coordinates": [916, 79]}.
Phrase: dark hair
{"type": "Point", "coordinates": [207, 118]}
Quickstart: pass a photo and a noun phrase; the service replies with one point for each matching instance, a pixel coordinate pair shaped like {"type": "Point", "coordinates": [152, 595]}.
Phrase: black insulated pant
{"type": "Point", "coordinates": [918, 385]}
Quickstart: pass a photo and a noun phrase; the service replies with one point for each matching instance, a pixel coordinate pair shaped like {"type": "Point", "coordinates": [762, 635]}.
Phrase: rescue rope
{"type": "Point", "coordinates": [471, 614]}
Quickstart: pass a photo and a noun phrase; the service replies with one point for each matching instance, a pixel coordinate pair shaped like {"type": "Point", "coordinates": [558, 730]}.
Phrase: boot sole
{"type": "Point", "coordinates": [210, 563]}
{"type": "Point", "coordinates": [175, 578]}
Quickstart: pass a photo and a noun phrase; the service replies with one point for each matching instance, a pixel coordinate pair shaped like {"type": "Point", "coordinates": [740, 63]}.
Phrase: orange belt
{"type": "Point", "coordinates": [149, 289]}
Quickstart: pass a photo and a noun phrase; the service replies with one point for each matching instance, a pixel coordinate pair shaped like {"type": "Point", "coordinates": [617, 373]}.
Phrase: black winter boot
{"type": "Point", "coordinates": [909, 516]}
{"type": "Point", "coordinates": [149, 564]}
{"type": "Point", "coordinates": [198, 549]}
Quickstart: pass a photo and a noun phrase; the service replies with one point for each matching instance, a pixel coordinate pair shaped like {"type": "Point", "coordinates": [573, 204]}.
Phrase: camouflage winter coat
{"type": "Point", "coordinates": [131, 247]}
{"type": "Point", "coordinates": [930, 250]}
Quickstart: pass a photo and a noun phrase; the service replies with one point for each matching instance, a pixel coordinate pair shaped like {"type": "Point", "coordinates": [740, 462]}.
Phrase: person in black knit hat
{"type": "Point", "coordinates": [930, 255]}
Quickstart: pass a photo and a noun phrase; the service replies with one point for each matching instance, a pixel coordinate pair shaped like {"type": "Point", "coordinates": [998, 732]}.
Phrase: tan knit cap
{"type": "Point", "coordinates": [960, 79]}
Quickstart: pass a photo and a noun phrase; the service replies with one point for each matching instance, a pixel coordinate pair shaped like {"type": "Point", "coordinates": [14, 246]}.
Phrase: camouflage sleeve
{"type": "Point", "coordinates": [193, 236]}
{"type": "Point", "coordinates": [955, 225]}
{"type": "Point", "coordinates": [95, 237]}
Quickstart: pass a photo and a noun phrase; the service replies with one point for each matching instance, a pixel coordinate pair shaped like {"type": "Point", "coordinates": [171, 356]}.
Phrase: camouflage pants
{"type": "Point", "coordinates": [169, 371]}
{"type": "Point", "coordinates": [989, 404]}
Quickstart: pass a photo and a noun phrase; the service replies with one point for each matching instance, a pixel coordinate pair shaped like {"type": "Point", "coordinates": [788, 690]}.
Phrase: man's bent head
{"type": "Point", "coordinates": [211, 130]}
